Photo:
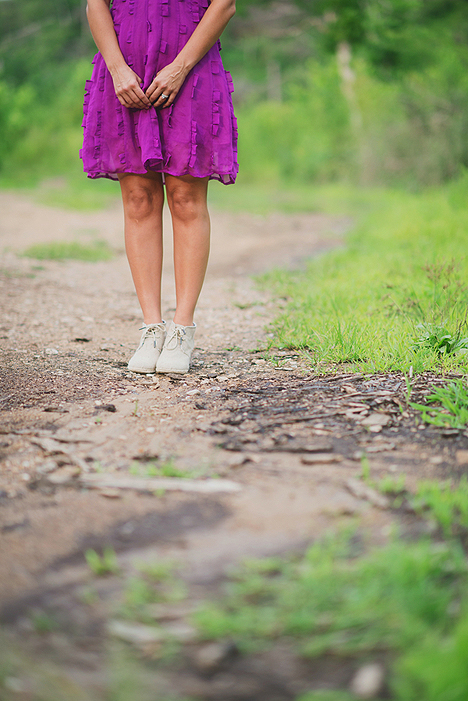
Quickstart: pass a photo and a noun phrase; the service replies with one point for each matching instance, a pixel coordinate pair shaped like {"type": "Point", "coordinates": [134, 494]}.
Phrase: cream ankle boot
{"type": "Point", "coordinates": [177, 350]}
{"type": "Point", "coordinates": [151, 343]}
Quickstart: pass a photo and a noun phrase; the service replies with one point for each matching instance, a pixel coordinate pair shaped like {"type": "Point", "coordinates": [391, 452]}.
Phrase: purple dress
{"type": "Point", "coordinates": [196, 136]}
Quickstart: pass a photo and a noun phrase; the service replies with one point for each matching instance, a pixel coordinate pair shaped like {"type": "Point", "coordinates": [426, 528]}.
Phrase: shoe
{"type": "Point", "coordinates": [151, 343]}
{"type": "Point", "coordinates": [178, 347]}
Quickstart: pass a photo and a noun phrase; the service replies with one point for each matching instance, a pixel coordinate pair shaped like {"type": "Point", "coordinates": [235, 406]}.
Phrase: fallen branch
{"type": "Point", "coordinates": [153, 484]}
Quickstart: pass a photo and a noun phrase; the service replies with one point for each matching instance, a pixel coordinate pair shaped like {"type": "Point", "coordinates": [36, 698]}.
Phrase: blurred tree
{"type": "Point", "coordinates": [394, 35]}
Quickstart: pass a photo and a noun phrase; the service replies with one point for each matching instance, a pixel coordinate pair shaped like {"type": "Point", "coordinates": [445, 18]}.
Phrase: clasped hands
{"type": "Point", "coordinates": [161, 93]}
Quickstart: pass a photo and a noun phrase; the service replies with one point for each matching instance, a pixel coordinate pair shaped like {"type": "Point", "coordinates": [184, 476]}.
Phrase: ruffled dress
{"type": "Point", "coordinates": [196, 136]}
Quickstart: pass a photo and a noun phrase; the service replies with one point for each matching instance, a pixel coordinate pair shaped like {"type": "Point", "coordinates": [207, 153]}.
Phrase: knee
{"type": "Point", "coordinates": [185, 206]}
{"type": "Point", "coordinates": [140, 203]}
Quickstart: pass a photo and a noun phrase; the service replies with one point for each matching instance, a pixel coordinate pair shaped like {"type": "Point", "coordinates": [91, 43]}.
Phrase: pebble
{"type": "Point", "coordinates": [46, 467]}
{"type": "Point", "coordinates": [51, 351]}
{"type": "Point", "coordinates": [63, 476]}
{"type": "Point", "coordinates": [320, 458]}
{"type": "Point", "coordinates": [111, 493]}
{"type": "Point", "coordinates": [14, 684]}
{"type": "Point", "coordinates": [368, 681]}
{"type": "Point", "coordinates": [376, 419]}
{"type": "Point", "coordinates": [135, 633]}
{"type": "Point", "coordinates": [242, 459]}
{"type": "Point", "coordinates": [209, 657]}
{"type": "Point", "coordinates": [362, 491]}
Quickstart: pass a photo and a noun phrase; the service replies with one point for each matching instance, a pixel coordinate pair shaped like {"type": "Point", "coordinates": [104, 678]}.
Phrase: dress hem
{"type": "Point", "coordinates": [224, 178]}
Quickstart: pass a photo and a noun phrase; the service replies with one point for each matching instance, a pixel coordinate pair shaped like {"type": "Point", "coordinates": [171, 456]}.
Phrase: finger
{"type": "Point", "coordinates": [138, 101]}
{"type": "Point", "coordinates": [156, 96]}
{"type": "Point", "coordinates": [163, 98]}
{"type": "Point", "coordinates": [171, 99]}
{"type": "Point", "coordinates": [141, 97]}
{"type": "Point", "coordinates": [124, 101]}
{"type": "Point", "coordinates": [151, 92]}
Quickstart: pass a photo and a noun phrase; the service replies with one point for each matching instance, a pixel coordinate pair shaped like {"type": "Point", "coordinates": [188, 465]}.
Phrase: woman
{"type": "Point", "coordinates": [158, 114]}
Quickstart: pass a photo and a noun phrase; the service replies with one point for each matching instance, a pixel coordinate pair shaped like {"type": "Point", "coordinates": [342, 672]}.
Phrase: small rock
{"type": "Point", "coordinates": [183, 632]}
{"type": "Point", "coordinates": [64, 476]}
{"type": "Point", "coordinates": [380, 448]}
{"type": "Point", "coordinates": [362, 491]}
{"type": "Point", "coordinates": [51, 351]}
{"type": "Point", "coordinates": [15, 525]}
{"type": "Point", "coordinates": [14, 684]}
{"type": "Point", "coordinates": [110, 493]}
{"type": "Point", "coordinates": [242, 459]}
{"type": "Point", "coordinates": [368, 681]}
{"type": "Point", "coordinates": [450, 432]}
{"type": "Point", "coordinates": [210, 657]}
{"type": "Point", "coordinates": [376, 419]}
{"type": "Point", "coordinates": [320, 458]}
{"type": "Point", "coordinates": [150, 429]}
{"type": "Point", "coordinates": [193, 391]}
{"type": "Point", "coordinates": [135, 633]}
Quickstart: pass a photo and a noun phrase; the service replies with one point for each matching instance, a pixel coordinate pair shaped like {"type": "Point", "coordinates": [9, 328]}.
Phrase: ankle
{"type": "Point", "coordinates": [183, 320]}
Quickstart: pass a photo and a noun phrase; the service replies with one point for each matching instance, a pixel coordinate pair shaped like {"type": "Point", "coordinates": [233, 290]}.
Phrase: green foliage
{"type": "Point", "coordinates": [452, 409]}
{"type": "Point", "coordinates": [164, 469]}
{"type": "Point", "coordinates": [155, 583]}
{"type": "Point", "coordinates": [445, 503]}
{"type": "Point", "coordinates": [397, 114]}
{"type": "Point", "coordinates": [332, 602]}
{"type": "Point", "coordinates": [42, 622]}
{"type": "Point", "coordinates": [365, 304]}
{"type": "Point", "coordinates": [435, 668]}
{"type": "Point", "coordinates": [407, 598]}
{"type": "Point", "coordinates": [441, 340]}
{"type": "Point", "coordinates": [102, 565]}
{"type": "Point", "coordinates": [62, 250]}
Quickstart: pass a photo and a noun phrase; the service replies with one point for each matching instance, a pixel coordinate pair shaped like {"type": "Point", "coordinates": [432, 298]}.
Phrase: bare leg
{"type": "Point", "coordinates": [143, 199]}
{"type": "Point", "coordinates": [186, 197]}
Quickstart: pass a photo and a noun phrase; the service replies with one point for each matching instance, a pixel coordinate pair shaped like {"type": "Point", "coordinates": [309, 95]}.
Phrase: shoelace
{"type": "Point", "coordinates": [151, 330]}
{"type": "Point", "coordinates": [178, 334]}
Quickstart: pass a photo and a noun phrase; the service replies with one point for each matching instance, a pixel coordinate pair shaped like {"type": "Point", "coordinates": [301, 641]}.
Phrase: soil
{"type": "Point", "coordinates": [280, 444]}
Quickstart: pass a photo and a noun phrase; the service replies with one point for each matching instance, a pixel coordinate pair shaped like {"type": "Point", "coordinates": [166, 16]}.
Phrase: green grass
{"type": "Point", "coordinates": [165, 469]}
{"type": "Point", "coordinates": [154, 583]}
{"type": "Point", "coordinates": [445, 503]}
{"type": "Point", "coordinates": [451, 406]}
{"type": "Point", "coordinates": [395, 298]}
{"type": "Point", "coordinates": [407, 599]}
{"type": "Point", "coordinates": [102, 565]}
{"type": "Point", "coordinates": [73, 250]}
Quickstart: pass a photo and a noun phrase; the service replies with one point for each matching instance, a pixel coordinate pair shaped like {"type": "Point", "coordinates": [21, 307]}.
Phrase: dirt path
{"type": "Point", "coordinates": [280, 446]}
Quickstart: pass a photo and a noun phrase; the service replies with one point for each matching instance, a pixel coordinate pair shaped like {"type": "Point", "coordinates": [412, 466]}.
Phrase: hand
{"type": "Point", "coordinates": [168, 82]}
{"type": "Point", "coordinates": [128, 90]}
